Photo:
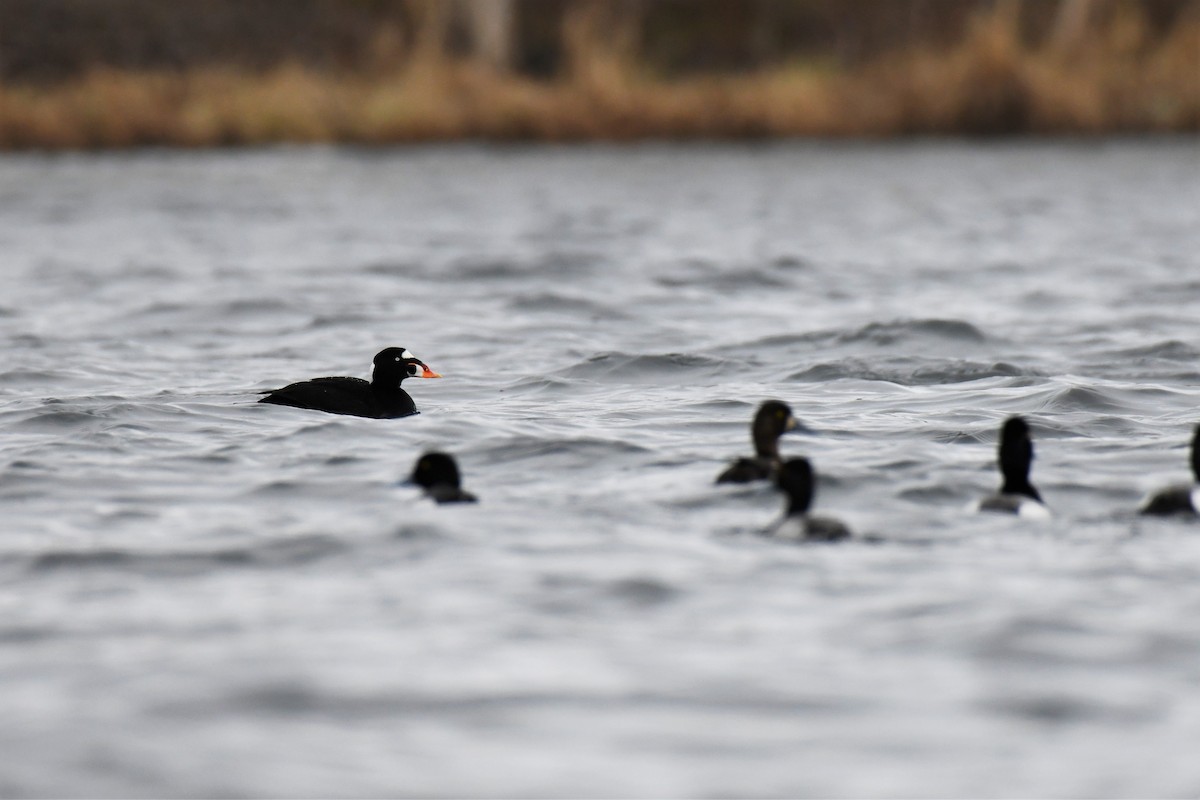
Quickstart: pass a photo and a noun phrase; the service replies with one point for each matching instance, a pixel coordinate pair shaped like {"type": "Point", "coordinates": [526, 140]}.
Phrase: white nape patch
{"type": "Point", "coordinates": [406, 354]}
{"type": "Point", "coordinates": [1195, 497]}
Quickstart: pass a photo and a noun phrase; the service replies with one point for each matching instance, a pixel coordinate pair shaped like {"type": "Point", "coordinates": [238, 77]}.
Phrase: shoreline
{"type": "Point", "coordinates": [989, 85]}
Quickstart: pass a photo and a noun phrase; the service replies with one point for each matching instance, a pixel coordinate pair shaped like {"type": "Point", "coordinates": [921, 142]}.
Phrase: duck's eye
{"type": "Point", "coordinates": [397, 358]}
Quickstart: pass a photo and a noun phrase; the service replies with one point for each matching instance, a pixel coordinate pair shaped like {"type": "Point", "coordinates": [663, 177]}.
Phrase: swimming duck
{"type": "Point", "coordinates": [1180, 498]}
{"type": "Point", "coordinates": [379, 398]}
{"type": "Point", "coordinates": [1016, 495]}
{"type": "Point", "coordinates": [797, 480]}
{"type": "Point", "coordinates": [773, 419]}
{"type": "Point", "coordinates": [437, 474]}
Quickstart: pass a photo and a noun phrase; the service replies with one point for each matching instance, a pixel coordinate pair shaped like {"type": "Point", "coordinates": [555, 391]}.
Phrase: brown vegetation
{"type": "Point", "coordinates": [1119, 74]}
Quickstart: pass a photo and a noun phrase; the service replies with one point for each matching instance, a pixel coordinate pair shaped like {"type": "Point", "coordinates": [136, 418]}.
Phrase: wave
{"type": "Point", "coordinates": [253, 306]}
{"type": "Point", "coordinates": [399, 269]}
{"type": "Point", "coordinates": [932, 495]}
{"type": "Point", "coordinates": [230, 308]}
{"type": "Point", "coordinates": [890, 333]}
{"type": "Point", "coordinates": [36, 377]}
{"type": "Point", "coordinates": [1082, 398]}
{"type": "Point", "coordinates": [925, 374]}
{"type": "Point", "coordinates": [574, 452]}
{"type": "Point", "coordinates": [1169, 350]}
{"type": "Point", "coordinates": [278, 553]}
{"type": "Point", "coordinates": [539, 385]}
{"type": "Point", "coordinates": [724, 279]}
{"type": "Point", "coordinates": [158, 308]}
{"type": "Point", "coordinates": [878, 334]}
{"type": "Point", "coordinates": [657, 366]}
{"type": "Point", "coordinates": [51, 421]}
{"type": "Point", "coordinates": [335, 320]}
{"type": "Point", "coordinates": [550, 264]}
{"type": "Point", "coordinates": [563, 304]}
{"type": "Point", "coordinates": [643, 591]}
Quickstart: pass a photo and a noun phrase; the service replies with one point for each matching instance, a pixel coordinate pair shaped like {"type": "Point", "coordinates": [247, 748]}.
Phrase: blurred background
{"type": "Point", "coordinates": [118, 73]}
{"type": "Point", "coordinates": [201, 596]}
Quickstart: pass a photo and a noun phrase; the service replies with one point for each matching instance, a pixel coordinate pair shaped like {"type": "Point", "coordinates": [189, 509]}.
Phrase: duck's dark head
{"type": "Point", "coordinates": [435, 469]}
{"type": "Point", "coordinates": [1016, 454]}
{"type": "Point", "coordinates": [798, 482]}
{"type": "Point", "coordinates": [773, 419]}
{"type": "Point", "coordinates": [395, 364]}
{"type": "Point", "coordinates": [1196, 454]}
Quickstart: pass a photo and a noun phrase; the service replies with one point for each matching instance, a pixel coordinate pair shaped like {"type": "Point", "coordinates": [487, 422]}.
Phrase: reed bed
{"type": "Point", "coordinates": [990, 83]}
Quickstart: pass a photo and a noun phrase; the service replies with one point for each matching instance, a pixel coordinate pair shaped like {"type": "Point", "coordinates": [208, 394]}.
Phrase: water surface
{"type": "Point", "coordinates": [200, 595]}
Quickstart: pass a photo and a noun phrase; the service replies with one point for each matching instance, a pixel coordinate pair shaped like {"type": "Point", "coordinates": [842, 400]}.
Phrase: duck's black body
{"type": "Point", "coordinates": [748, 470]}
{"type": "Point", "coordinates": [352, 396]}
{"type": "Point", "coordinates": [772, 420]}
{"type": "Point", "coordinates": [379, 398]}
{"type": "Point", "coordinates": [797, 480]}
{"type": "Point", "coordinates": [437, 474]}
{"type": "Point", "coordinates": [1182, 498]}
{"type": "Point", "coordinates": [1017, 495]}
{"type": "Point", "coordinates": [1173, 500]}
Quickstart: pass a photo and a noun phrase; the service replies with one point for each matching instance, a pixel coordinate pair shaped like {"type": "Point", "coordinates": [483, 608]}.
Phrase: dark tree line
{"type": "Point", "coordinates": [49, 40]}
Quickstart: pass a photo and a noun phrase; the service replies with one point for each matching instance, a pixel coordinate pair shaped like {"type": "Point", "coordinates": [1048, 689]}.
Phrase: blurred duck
{"type": "Point", "coordinates": [1016, 495]}
{"type": "Point", "coordinates": [773, 419]}
{"type": "Point", "coordinates": [1180, 498]}
{"type": "Point", "coordinates": [437, 474]}
{"type": "Point", "coordinates": [798, 482]}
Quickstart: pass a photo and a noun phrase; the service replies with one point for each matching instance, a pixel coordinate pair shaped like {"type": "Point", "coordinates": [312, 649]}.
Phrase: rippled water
{"type": "Point", "coordinates": [204, 596]}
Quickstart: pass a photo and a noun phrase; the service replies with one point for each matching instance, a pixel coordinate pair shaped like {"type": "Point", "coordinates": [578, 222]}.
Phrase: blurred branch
{"type": "Point", "coordinates": [601, 38]}
{"type": "Point", "coordinates": [431, 24]}
{"type": "Point", "coordinates": [1072, 22]}
{"type": "Point", "coordinates": [492, 24]}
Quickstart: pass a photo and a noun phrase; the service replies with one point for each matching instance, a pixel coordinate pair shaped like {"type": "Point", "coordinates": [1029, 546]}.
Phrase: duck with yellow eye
{"type": "Point", "coordinates": [773, 419]}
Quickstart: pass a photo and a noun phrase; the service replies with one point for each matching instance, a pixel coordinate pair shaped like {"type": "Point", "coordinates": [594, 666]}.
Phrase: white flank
{"type": "Point", "coordinates": [788, 528]}
{"type": "Point", "coordinates": [1032, 509]}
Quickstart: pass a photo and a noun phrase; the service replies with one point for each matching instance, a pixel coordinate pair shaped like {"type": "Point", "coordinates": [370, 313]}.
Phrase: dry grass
{"type": "Point", "coordinates": [990, 84]}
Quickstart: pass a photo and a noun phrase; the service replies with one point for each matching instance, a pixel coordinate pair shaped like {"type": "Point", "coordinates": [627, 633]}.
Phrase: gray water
{"type": "Point", "coordinates": [200, 595]}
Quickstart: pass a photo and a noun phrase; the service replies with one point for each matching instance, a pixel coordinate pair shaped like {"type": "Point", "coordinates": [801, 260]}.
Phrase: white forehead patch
{"type": "Point", "coordinates": [407, 354]}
